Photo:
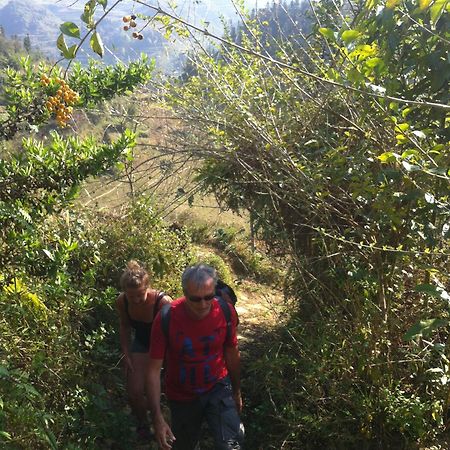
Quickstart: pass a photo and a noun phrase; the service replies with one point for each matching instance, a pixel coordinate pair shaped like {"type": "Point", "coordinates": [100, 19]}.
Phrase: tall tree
{"type": "Point", "coordinates": [27, 43]}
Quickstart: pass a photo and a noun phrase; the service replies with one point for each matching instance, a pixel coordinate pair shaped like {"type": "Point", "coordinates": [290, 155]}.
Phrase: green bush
{"type": "Point", "coordinates": [218, 263]}
{"type": "Point", "coordinates": [323, 389]}
{"type": "Point", "coordinates": [237, 249]}
{"type": "Point", "coordinates": [140, 234]}
{"type": "Point", "coordinates": [253, 263]}
{"type": "Point", "coordinates": [59, 370]}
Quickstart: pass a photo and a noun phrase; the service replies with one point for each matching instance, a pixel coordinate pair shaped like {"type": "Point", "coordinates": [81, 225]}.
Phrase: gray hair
{"type": "Point", "coordinates": [198, 274]}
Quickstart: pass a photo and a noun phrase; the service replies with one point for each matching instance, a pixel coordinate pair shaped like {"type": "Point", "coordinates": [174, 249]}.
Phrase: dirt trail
{"type": "Point", "coordinates": [258, 308]}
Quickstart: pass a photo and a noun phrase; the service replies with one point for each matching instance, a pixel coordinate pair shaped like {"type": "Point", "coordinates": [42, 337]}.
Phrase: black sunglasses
{"type": "Point", "coordinates": [197, 299]}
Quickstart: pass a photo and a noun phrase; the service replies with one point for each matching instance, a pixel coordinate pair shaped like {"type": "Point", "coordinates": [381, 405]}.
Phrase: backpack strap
{"type": "Point", "coordinates": [225, 307]}
{"type": "Point", "coordinates": [165, 317]}
{"type": "Point", "coordinates": [165, 320]}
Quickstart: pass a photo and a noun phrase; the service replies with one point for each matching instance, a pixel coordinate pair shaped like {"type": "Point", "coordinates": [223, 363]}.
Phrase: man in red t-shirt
{"type": "Point", "coordinates": [202, 368]}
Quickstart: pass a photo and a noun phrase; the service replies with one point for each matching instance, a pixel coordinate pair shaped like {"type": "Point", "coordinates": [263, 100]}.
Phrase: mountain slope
{"type": "Point", "coordinates": [41, 19]}
{"type": "Point", "coordinates": [21, 17]}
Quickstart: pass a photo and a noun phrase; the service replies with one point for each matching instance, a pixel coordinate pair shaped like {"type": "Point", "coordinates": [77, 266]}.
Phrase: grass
{"type": "Point", "coordinates": [156, 170]}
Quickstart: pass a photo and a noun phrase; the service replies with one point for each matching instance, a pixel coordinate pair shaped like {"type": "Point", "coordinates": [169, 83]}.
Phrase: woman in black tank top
{"type": "Point", "coordinates": [137, 307]}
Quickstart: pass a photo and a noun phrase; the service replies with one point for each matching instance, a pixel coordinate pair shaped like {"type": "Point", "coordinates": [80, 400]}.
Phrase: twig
{"type": "Point", "coordinates": [294, 68]}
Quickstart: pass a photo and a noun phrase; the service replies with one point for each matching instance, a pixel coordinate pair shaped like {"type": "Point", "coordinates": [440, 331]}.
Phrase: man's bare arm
{"type": "Point", "coordinates": [163, 433]}
{"type": "Point", "coordinates": [233, 363]}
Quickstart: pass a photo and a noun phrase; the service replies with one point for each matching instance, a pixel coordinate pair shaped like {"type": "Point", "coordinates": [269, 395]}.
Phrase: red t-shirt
{"type": "Point", "coordinates": [194, 357]}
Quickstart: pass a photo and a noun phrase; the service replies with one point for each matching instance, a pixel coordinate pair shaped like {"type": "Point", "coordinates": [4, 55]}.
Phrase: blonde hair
{"type": "Point", "coordinates": [134, 276]}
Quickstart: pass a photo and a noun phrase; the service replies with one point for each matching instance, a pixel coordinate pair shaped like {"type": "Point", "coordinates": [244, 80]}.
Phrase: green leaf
{"type": "Point", "coordinates": [349, 36]}
{"type": "Point", "coordinates": [406, 111]}
{"type": "Point", "coordinates": [25, 215]}
{"type": "Point", "coordinates": [438, 171]}
{"type": "Point", "coordinates": [354, 75]}
{"type": "Point", "coordinates": [29, 389]}
{"type": "Point", "coordinates": [97, 44]}
{"type": "Point", "coordinates": [419, 134]}
{"type": "Point", "coordinates": [387, 157]}
{"type": "Point", "coordinates": [390, 4]}
{"type": "Point", "coordinates": [328, 33]}
{"type": "Point", "coordinates": [4, 371]}
{"type": "Point", "coordinates": [410, 167]}
{"type": "Point", "coordinates": [88, 14]}
{"type": "Point", "coordinates": [410, 152]}
{"type": "Point", "coordinates": [61, 44]}
{"type": "Point", "coordinates": [437, 9]}
{"type": "Point", "coordinates": [5, 435]}
{"type": "Point", "coordinates": [437, 149]}
{"type": "Point", "coordinates": [393, 105]}
{"type": "Point", "coordinates": [70, 29]}
{"type": "Point", "coordinates": [402, 126]}
{"type": "Point", "coordinates": [424, 4]}
{"type": "Point", "coordinates": [401, 139]}
{"type": "Point", "coordinates": [374, 62]}
{"type": "Point", "coordinates": [434, 291]}
{"type": "Point", "coordinates": [120, 166]}
{"type": "Point", "coordinates": [71, 52]}
{"type": "Point", "coordinates": [333, 74]}
{"type": "Point", "coordinates": [104, 3]}
{"type": "Point", "coordinates": [424, 328]}
{"type": "Point", "coordinates": [48, 434]}
{"type": "Point", "coordinates": [49, 254]}
{"type": "Point", "coordinates": [364, 51]}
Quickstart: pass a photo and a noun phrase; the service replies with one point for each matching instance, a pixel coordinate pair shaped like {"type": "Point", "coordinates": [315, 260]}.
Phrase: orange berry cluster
{"type": "Point", "coordinates": [131, 23]}
{"type": "Point", "coordinates": [61, 103]}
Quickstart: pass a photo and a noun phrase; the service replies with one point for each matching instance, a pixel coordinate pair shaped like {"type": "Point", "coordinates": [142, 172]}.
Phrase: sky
{"type": "Point", "coordinates": [194, 11]}
{"type": "Point", "coordinates": [249, 3]}
{"type": "Point", "coordinates": [203, 13]}
{"type": "Point", "coordinates": [188, 9]}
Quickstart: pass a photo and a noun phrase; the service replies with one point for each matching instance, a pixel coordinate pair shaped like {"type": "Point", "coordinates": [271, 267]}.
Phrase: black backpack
{"type": "Point", "coordinates": [227, 299]}
{"type": "Point", "coordinates": [226, 292]}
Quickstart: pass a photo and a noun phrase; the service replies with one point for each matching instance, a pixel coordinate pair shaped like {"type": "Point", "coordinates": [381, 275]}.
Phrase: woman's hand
{"type": "Point", "coordinates": [128, 363]}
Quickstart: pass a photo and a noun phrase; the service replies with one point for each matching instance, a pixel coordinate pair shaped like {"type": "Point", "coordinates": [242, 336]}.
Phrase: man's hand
{"type": "Point", "coordinates": [163, 434]}
{"type": "Point", "coordinates": [238, 400]}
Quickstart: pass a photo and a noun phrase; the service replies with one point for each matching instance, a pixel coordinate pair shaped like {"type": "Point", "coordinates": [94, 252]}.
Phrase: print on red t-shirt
{"type": "Point", "coordinates": [194, 358]}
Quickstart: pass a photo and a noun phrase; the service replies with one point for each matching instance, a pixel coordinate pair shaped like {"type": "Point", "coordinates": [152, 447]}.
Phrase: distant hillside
{"type": "Point", "coordinates": [41, 19]}
{"type": "Point", "coordinates": [11, 50]}
{"type": "Point", "coordinates": [41, 22]}
{"type": "Point", "coordinates": [22, 17]}
{"type": "Point", "coordinates": [280, 22]}
{"type": "Point", "coordinates": [8, 50]}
